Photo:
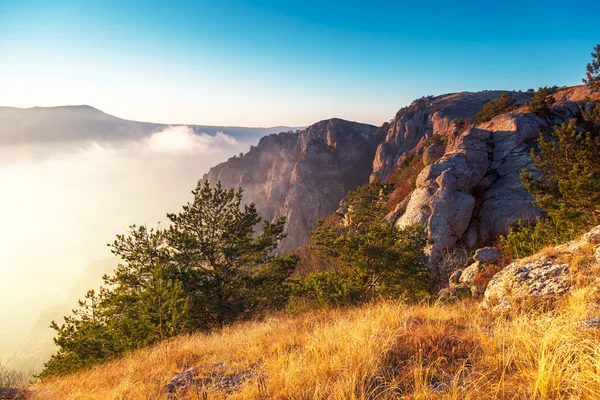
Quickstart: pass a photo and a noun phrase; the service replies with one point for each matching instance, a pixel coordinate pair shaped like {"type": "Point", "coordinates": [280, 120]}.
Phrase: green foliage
{"type": "Point", "coordinates": [208, 269]}
{"type": "Point", "coordinates": [593, 70]}
{"type": "Point", "coordinates": [567, 190]}
{"type": "Point", "coordinates": [503, 104]}
{"type": "Point", "coordinates": [229, 272]}
{"type": "Point", "coordinates": [541, 102]}
{"type": "Point", "coordinates": [326, 289]}
{"type": "Point", "coordinates": [591, 113]}
{"type": "Point", "coordinates": [375, 258]}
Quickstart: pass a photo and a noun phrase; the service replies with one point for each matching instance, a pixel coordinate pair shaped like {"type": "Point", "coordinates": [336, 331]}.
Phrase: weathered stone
{"type": "Point", "coordinates": [302, 175]}
{"type": "Point", "coordinates": [455, 292]}
{"type": "Point", "coordinates": [470, 273]}
{"type": "Point", "coordinates": [593, 236]}
{"type": "Point", "coordinates": [455, 277]}
{"type": "Point", "coordinates": [543, 277]}
{"type": "Point", "coordinates": [433, 153]}
{"type": "Point", "coordinates": [488, 255]}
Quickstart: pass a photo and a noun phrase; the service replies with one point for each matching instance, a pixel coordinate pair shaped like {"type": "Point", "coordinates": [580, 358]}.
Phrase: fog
{"type": "Point", "coordinates": [62, 202]}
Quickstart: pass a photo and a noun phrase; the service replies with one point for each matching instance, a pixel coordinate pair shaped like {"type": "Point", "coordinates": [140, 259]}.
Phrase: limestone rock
{"type": "Point", "coordinates": [454, 278]}
{"type": "Point", "coordinates": [488, 255]}
{"type": "Point", "coordinates": [541, 277]}
{"type": "Point", "coordinates": [593, 236]}
{"type": "Point", "coordinates": [302, 175]}
{"type": "Point", "coordinates": [433, 153]}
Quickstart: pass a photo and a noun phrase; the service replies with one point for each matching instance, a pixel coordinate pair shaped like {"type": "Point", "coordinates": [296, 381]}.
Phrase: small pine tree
{"type": "Point", "coordinates": [372, 254]}
{"type": "Point", "coordinates": [229, 271]}
{"type": "Point", "coordinates": [503, 104]}
{"type": "Point", "coordinates": [542, 102]}
{"type": "Point", "coordinates": [593, 70]}
{"type": "Point", "coordinates": [567, 189]}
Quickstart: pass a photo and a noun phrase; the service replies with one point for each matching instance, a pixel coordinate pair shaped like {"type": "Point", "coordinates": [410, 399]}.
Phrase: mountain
{"type": "Point", "coordinates": [56, 124]}
{"type": "Point", "coordinates": [302, 175]}
{"type": "Point", "coordinates": [463, 178]}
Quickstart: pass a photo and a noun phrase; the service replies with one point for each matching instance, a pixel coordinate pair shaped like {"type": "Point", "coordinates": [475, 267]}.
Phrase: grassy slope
{"type": "Point", "coordinates": [386, 350]}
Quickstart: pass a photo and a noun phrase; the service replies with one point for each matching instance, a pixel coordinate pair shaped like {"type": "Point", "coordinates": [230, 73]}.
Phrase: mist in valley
{"type": "Point", "coordinates": [62, 201]}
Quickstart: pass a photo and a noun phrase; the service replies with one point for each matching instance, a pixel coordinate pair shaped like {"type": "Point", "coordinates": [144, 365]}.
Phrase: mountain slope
{"type": "Point", "coordinates": [547, 349]}
{"type": "Point", "coordinates": [466, 189]}
{"type": "Point", "coordinates": [302, 175]}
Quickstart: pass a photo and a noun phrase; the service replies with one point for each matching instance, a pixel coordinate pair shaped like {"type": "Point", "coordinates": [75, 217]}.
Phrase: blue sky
{"type": "Point", "coordinates": [262, 63]}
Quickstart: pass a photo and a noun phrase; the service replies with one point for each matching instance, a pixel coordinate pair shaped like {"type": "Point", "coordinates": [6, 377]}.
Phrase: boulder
{"type": "Point", "coordinates": [488, 255]}
{"type": "Point", "coordinates": [542, 277]}
{"type": "Point", "coordinates": [454, 279]}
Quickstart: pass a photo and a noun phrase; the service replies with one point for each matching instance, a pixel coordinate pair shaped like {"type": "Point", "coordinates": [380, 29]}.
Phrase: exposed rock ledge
{"type": "Point", "coordinates": [544, 276]}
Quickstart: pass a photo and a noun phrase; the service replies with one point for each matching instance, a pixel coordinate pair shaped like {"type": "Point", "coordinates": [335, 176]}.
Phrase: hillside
{"type": "Point", "coordinates": [457, 177]}
{"type": "Point", "coordinates": [302, 175]}
{"type": "Point", "coordinates": [546, 348]}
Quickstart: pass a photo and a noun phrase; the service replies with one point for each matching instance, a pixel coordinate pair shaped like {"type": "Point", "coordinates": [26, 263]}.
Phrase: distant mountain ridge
{"type": "Point", "coordinates": [65, 123]}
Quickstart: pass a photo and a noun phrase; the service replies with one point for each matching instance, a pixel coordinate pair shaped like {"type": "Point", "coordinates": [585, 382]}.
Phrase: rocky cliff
{"type": "Point", "coordinates": [473, 193]}
{"type": "Point", "coordinates": [302, 175]}
{"type": "Point", "coordinates": [467, 193]}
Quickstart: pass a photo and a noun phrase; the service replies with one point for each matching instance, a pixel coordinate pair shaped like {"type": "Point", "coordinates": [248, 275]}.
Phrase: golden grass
{"type": "Point", "coordinates": [379, 351]}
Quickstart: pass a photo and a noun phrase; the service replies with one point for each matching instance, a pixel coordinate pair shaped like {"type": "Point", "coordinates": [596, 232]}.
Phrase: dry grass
{"type": "Point", "coordinates": [380, 351]}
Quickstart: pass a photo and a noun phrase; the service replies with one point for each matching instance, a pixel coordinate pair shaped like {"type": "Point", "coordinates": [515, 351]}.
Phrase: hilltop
{"type": "Point", "coordinates": [438, 350]}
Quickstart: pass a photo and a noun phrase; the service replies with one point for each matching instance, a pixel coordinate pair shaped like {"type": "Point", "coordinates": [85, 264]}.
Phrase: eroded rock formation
{"type": "Point", "coordinates": [302, 175]}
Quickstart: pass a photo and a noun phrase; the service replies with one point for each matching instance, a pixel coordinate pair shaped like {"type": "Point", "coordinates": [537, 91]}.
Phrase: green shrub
{"type": "Point", "coordinates": [326, 289]}
{"type": "Point", "coordinates": [382, 260]}
{"type": "Point", "coordinates": [541, 102]}
{"type": "Point", "coordinates": [567, 190]}
{"type": "Point", "coordinates": [503, 104]}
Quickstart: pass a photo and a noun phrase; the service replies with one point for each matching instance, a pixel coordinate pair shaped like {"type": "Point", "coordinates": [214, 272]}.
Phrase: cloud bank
{"type": "Point", "coordinates": [61, 203]}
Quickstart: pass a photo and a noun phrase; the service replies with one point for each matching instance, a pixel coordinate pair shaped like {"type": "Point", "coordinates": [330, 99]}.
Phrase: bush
{"type": "Point", "coordinates": [567, 190]}
{"type": "Point", "coordinates": [541, 102]}
{"type": "Point", "coordinates": [503, 104]}
{"type": "Point", "coordinates": [326, 289]}
{"type": "Point", "coordinates": [380, 259]}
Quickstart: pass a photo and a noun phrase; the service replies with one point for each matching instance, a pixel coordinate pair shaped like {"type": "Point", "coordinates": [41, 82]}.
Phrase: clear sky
{"type": "Point", "coordinates": [265, 63]}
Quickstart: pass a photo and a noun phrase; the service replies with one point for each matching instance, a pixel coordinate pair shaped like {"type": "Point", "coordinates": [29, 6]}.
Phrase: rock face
{"type": "Point", "coordinates": [302, 175]}
{"type": "Point", "coordinates": [473, 193]}
{"type": "Point", "coordinates": [468, 192]}
{"type": "Point", "coordinates": [542, 276]}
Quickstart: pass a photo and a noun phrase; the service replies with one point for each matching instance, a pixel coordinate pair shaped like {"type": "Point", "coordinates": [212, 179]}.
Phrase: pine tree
{"type": "Point", "coordinates": [541, 102]}
{"type": "Point", "coordinates": [208, 269]}
{"type": "Point", "coordinates": [379, 258]}
{"type": "Point", "coordinates": [228, 270]}
{"type": "Point", "coordinates": [566, 188]}
{"type": "Point", "coordinates": [593, 70]}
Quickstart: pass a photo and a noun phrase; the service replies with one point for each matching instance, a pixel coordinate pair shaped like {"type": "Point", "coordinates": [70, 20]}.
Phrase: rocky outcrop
{"type": "Point", "coordinates": [473, 280]}
{"type": "Point", "coordinates": [473, 193]}
{"type": "Point", "coordinates": [544, 276]}
{"type": "Point", "coordinates": [442, 115]}
{"type": "Point", "coordinates": [302, 175]}
{"type": "Point", "coordinates": [468, 192]}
